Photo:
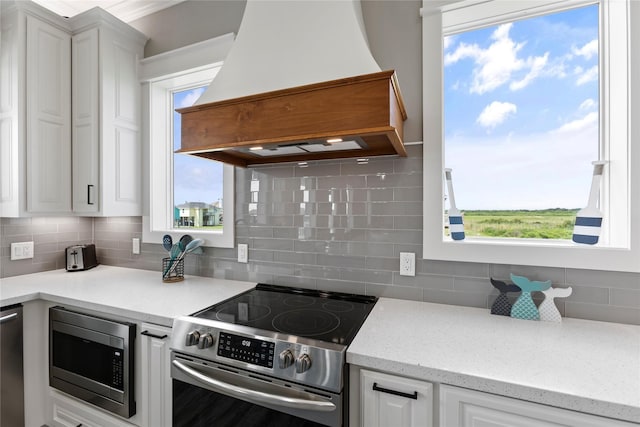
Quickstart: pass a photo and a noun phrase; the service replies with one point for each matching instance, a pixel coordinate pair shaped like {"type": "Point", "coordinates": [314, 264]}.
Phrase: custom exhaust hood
{"type": "Point", "coordinates": [298, 84]}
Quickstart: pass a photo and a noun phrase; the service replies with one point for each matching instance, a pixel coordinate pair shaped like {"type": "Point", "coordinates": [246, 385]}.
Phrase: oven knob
{"type": "Point", "coordinates": [192, 338]}
{"type": "Point", "coordinates": [286, 359]}
{"type": "Point", "coordinates": [303, 363]}
{"type": "Point", "coordinates": [206, 341]}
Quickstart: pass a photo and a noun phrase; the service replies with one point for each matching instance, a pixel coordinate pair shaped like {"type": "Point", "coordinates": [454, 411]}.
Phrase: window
{"type": "Point", "coordinates": [487, 116]}
{"type": "Point", "coordinates": [186, 194]}
{"type": "Point", "coordinates": [520, 154]}
{"type": "Point", "coordinates": [197, 182]}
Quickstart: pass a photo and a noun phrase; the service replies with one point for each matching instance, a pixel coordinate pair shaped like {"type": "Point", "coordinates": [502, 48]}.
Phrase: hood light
{"type": "Point", "coordinates": [255, 148]}
{"type": "Point", "coordinates": [334, 140]}
{"type": "Point", "coordinates": [303, 164]}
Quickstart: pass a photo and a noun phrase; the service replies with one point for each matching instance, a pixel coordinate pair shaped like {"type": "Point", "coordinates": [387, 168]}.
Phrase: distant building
{"type": "Point", "coordinates": [198, 214]}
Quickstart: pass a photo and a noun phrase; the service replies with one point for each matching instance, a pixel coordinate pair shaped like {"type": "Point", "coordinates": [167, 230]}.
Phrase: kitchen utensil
{"type": "Point", "coordinates": [456, 225]}
{"type": "Point", "coordinates": [589, 219]}
{"type": "Point", "coordinates": [167, 242]}
{"type": "Point", "coordinates": [191, 246]}
{"type": "Point", "coordinates": [184, 241]}
{"type": "Point", "coordinates": [175, 252]}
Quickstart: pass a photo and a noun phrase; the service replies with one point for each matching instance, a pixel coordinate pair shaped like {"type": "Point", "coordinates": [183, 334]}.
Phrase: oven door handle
{"type": "Point", "coordinates": [258, 396]}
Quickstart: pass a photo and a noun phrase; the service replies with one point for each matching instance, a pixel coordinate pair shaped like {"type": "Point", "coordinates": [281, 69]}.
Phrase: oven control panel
{"type": "Point", "coordinates": [246, 349]}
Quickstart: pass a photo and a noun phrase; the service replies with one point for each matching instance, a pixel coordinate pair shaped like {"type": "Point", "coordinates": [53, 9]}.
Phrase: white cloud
{"type": "Point", "coordinates": [448, 41]}
{"type": "Point", "coordinates": [536, 64]}
{"type": "Point", "coordinates": [587, 122]}
{"type": "Point", "coordinates": [496, 65]}
{"type": "Point", "coordinates": [587, 51]}
{"type": "Point", "coordinates": [496, 113]}
{"type": "Point", "coordinates": [588, 104]}
{"type": "Point", "coordinates": [587, 76]}
{"type": "Point", "coordinates": [191, 97]}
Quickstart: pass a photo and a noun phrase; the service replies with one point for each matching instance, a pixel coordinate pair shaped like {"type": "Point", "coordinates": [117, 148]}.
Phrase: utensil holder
{"type": "Point", "coordinates": [177, 271]}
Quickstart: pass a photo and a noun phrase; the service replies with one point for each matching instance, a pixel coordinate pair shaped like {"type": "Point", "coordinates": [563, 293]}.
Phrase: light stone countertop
{"type": "Point", "coordinates": [587, 366]}
{"type": "Point", "coordinates": [128, 292]}
{"type": "Point", "coordinates": [582, 365]}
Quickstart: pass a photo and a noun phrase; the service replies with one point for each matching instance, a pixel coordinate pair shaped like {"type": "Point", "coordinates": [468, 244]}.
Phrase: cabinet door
{"type": "Point", "coordinates": [156, 375]}
{"type": "Point", "coordinates": [10, 111]}
{"type": "Point", "coordinates": [85, 108]}
{"type": "Point", "coordinates": [69, 412]}
{"type": "Point", "coordinates": [48, 86]}
{"type": "Point", "coordinates": [391, 401]}
{"type": "Point", "coordinates": [121, 147]}
{"type": "Point", "coordinates": [468, 408]}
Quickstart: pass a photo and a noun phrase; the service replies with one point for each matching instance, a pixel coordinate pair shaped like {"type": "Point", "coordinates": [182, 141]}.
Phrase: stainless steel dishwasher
{"type": "Point", "coordinates": [11, 373]}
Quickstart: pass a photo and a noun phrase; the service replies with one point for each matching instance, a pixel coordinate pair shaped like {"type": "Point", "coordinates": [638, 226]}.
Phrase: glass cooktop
{"type": "Point", "coordinates": [325, 316]}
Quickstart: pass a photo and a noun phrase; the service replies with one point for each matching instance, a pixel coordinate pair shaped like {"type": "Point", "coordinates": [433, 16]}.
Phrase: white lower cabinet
{"type": "Point", "coordinates": [392, 401]}
{"type": "Point", "coordinates": [69, 412]}
{"type": "Point", "coordinates": [460, 407]}
{"type": "Point", "coordinates": [156, 375]}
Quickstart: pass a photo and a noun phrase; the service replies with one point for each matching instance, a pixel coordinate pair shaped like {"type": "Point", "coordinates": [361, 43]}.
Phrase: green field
{"type": "Point", "coordinates": [531, 224]}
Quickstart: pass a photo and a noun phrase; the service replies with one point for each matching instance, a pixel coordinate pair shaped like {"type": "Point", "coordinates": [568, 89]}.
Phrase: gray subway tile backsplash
{"type": "Point", "coordinates": [334, 225]}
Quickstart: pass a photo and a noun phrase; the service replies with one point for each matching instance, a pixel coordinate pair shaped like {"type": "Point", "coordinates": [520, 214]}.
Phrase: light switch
{"type": "Point", "coordinates": [21, 250]}
{"type": "Point", "coordinates": [243, 253]}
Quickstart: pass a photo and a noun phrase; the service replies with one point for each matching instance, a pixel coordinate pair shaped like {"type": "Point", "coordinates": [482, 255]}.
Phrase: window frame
{"type": "Point", "coordinates": [170, 72]}
{"type": "Point", "coordinates": [622, 252]}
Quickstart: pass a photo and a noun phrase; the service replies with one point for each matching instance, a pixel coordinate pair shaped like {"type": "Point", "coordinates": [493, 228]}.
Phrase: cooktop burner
{"type": "Point", "coordinates": [326, 316]}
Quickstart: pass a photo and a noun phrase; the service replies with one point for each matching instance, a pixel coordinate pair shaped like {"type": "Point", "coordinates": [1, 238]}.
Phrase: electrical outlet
{"type": "Point", "coordinates": [407, 264]}
{"type": "Point", "coordinates": [135, 246]}
{"type": "Point", "coordinates": [243, 253]}
{"type": "Point", "coordinates": [21, 250]}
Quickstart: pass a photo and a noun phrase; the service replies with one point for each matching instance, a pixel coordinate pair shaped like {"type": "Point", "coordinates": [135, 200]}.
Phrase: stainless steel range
{"type": "Point", "coordinates": [273, 355]}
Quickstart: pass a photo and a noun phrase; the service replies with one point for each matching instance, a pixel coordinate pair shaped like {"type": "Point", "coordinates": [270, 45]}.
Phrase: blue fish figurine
{"type": "Point", "coordinates": [502, 306]}
{"type": "Point", "coordinates": [524, 308]}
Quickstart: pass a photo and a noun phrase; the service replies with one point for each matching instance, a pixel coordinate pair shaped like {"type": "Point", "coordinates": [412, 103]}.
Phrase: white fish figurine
{"type": "Point", "coordinates": [548, 310]}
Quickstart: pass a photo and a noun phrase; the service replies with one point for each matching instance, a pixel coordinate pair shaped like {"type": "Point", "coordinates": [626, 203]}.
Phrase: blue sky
{"type": "Point", "coordinates": [195, 179]}
{"type": "Point", "coordinates": [521, 112]}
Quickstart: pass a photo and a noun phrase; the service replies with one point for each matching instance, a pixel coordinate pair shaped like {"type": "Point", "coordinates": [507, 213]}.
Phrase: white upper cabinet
{"type": "Point", "coordinates": [48, 118]}
{"type": "Point", "coordinates": [35, 111]}
{"type": "Point", "coordinates": [107, 179]}
{"type": "Point", "coordinates": [69, 114]}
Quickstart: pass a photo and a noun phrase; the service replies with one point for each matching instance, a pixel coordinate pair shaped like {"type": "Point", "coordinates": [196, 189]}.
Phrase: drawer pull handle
{"type": "Point", "coordinates": [149, 334]}
{"type": "Point", "coordinates": [413, 396]}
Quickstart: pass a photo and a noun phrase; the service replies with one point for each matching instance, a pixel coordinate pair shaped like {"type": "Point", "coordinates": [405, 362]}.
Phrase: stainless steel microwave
{"type": "Point", "coordinates": [92, 358]}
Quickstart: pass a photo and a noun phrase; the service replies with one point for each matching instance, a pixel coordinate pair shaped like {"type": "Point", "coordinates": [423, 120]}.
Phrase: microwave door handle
{"type": "Point", "coordinates": [8, 317]}
{"type": "Point", "coordinates": [258, 396]}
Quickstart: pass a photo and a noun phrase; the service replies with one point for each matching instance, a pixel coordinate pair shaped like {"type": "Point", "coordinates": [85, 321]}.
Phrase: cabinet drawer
{"type": "Point", "coordinates": [460, 407]}
{"type": "Point", "coordinates": [68, 412]}
{"type": "Point", "coordinates": [392, 401]}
